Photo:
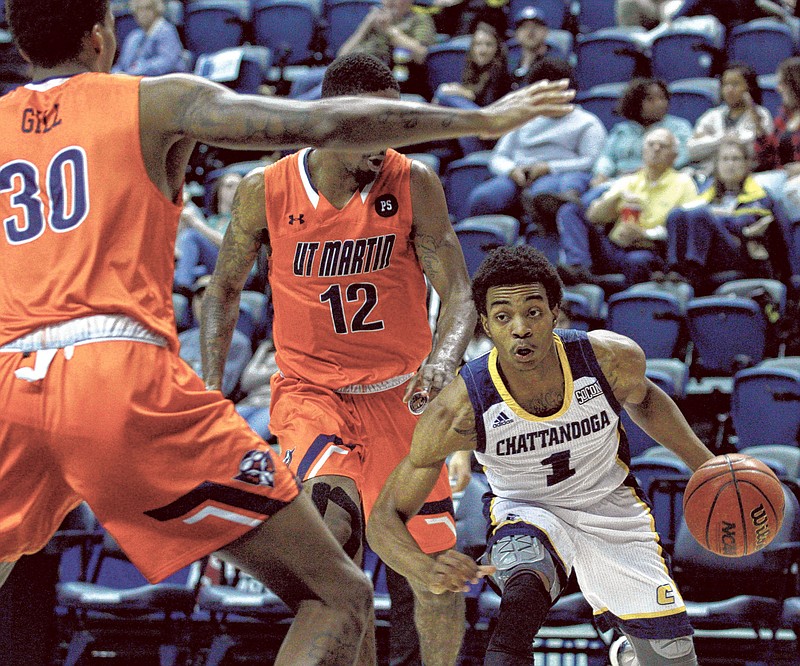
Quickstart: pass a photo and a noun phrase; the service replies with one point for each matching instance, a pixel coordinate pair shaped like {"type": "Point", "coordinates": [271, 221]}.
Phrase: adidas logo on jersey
{"type": "Point", "coordinates": [501, 420]}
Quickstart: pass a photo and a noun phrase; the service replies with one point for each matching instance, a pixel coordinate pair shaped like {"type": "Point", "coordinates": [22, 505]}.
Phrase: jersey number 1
{"type": "Point", "coordinates": [69, 197]}
{"type": "Point", "coordinates": [561, 469]}
{"type": "Point", "coordinates": [333, 296]}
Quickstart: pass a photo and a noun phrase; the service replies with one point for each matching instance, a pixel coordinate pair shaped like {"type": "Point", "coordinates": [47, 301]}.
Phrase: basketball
{"type": "Point", "coordinates": [733, 505]}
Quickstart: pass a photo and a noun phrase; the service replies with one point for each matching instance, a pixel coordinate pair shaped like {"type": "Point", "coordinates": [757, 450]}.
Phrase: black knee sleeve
{"type": "Point", "coordinates": [523, 608]}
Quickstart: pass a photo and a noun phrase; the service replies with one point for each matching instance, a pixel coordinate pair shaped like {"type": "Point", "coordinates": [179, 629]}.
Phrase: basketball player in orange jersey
{"type": "Point", "coordinates": [351, 238]}
{"type": "Point", "coordinates": [541, 412]}
{"type": "Point", "coordinates": [97, 405]}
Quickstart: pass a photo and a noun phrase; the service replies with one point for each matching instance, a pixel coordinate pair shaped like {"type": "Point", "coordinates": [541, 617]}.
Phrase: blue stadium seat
{"type": "Point", "coordinates": [609, 55]}
{"type": "Point", "coordinates": [553, 11]}
{"type": "Point", "coordinates": [763, 44]}
{"type": "Point", "coordinates": [343, 17]}
{"type": "Point", "coordinates": [687, 50]}
{"type": "Point", "coordinates": [654, 319]}
{"type": "Point", "coordinates": [183, 313]}
{"type": "Point", "coordinates": [286, 27]}
{"type": "Point", "coordinates": [445, 61]}
{"type": "Point", "coordinates": [602, 101]}
{"type": "Point", "coordinates": [765, 406]}
{"type": "Point", "coordinates": [749, 286]}
{"type": "Point", "coordinates": [596, 14]}
{"type": "Point", "coordinates": [460, 178]}
{"type": "Point", "coordinates": [480, 234]}
{"type": "Point", "coordinates": [691, 98]}
{"type": "Point", "coordinates": [245, 75]}
{"type": "Point", "coordinates": [100, 608]}
{"type": "Point", "coordinates": [124, 24]}
{"type": "Point", "coordinates": [662, 479]}
{"type": "Point", "coordinates": [212, 25]}
{"type": "Point", "coordinates": [770, 97]}
{"type": "Point", "coordinates": [728, 333]}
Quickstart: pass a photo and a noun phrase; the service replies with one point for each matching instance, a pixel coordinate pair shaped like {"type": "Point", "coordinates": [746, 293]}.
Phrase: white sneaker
{"type": "Point", "coordinates": [621, 653]}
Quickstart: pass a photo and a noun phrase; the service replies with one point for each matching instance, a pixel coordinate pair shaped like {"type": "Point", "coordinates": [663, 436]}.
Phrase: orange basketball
{"type": "Point", "coordinates": [733, 505]}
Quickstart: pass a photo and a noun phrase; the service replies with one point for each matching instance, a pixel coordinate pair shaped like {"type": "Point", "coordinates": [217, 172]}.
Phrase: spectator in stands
{"type": "Point", "coordinates": [645, 13]}
{"type": "Point", "coordinates": [633, 211]}
{"type": "Point", "coordinates": [398, 37]}
{"type": "Point", "coordinates": [240, 352]}
{"type": "Point", "coordinates": [778, 153]}
{"type": "Point", "coordinates": [460, 17]}
{"type": "Point", "coordinates": [740, 113]}
{"type": "Point", "coordinates": [485, 79]}
{"type": "Point", "coordinates": [198, 241]}
{"type": "Point", "coordinates": [728, 228]}
{"type": "Point", "coordinates": [730, 13]}
{"type": "Point", "coordinates": [531, 32]}
{"type": "Point", "coordinates": [547, 156]}
{"type": "Point", "coordinates": [644, 106]}
{"type": "Point", "coordinates": [153, 48]}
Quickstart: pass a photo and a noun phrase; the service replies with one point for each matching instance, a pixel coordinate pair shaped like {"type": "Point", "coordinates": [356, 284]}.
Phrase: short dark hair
{"type": "Point", "coordinates": [357, 74]}
{"type": "Point", "coordinates": [51, 32]}
{"type": "Point", "coordinates": [551, 68]}
{"type": "Point", "coordinates": [630, 104]}
{"type": "Point", "coordinates": [518, 264]}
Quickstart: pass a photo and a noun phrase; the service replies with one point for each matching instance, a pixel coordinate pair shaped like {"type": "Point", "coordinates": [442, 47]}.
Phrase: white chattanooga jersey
{"type": "Point", "coordinates": [574, 457]}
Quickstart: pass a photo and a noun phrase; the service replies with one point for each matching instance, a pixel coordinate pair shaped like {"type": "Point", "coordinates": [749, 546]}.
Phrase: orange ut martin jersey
{"type": "Point", "coordinates": [84, 229]}
{"type": "Point", "coordinates": [348, 291]}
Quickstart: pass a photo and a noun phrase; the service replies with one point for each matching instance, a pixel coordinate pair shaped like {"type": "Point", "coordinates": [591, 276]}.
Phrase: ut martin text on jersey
{"type": "Point", "coordinates": [343, 257]}
{"type": "Point", "coordinates": [540, 439]}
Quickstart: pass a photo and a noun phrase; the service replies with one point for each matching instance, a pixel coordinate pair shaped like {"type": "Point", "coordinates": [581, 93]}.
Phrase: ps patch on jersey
{"type": "Point", "coordinates": [386, 205]}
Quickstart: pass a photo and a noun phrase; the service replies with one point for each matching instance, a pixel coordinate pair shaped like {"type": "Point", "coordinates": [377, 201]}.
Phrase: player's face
{"type": "Point", "coordinates": [365, 166]}
{"type": "Point", "coordinates": [520, 323]}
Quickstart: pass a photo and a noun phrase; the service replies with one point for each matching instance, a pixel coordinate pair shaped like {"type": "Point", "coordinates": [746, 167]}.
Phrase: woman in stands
{"type": "Point", "coordinates": [485, 78]}
{"type": "Point", "coordinates": [644, 106]}
{"type": "Point", "coordinates": [740, 113]}
{"type": "Point", "coordinates": [730, 228]}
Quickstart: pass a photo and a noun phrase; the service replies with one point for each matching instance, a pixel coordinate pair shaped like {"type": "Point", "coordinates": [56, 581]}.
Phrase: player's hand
{"type": "Point", "coordinates": [430, 378]}
{"type": "Point", "coordinates": [453, 571]}
{"type": "Point", "coordinates": [459, 469]}
{"type": "Point", "coordinates": [543, 98]}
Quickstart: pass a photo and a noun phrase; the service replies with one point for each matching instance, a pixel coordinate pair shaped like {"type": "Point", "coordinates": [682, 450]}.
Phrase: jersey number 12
{"type": "Point", "coordinates": [354, 292]}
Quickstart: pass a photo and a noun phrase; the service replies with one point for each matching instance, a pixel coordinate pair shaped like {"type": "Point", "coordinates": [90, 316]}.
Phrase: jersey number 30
{"type": "Point", "coordinates": [354, 292]}
{"type": "Point", "coordinates": [68, 196]}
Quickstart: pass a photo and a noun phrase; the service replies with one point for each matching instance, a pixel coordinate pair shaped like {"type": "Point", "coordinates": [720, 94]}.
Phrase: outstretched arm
{"type": "Point", "coordinates": [442, 261]}
{"type": "Point", "coordinates": [447, 425]}
{"type": "Point", "coordinates": [623, 364]}
{"type": "Point", "coordinates": [182, 106]}
{"type": "Point", "coordinates": [243, 238]}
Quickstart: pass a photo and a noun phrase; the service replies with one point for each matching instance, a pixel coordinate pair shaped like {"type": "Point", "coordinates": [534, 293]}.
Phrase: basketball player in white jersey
{"type": "Point", "coordinates": [541, 411]}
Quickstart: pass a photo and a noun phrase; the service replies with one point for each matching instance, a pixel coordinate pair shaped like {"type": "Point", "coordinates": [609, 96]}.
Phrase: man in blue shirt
{"type": "Point", "coordinates": [154, 48]}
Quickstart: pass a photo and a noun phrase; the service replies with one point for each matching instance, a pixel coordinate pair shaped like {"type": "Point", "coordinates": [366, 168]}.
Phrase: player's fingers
{"type": "Point", "coordinates": [486, 570]}
{"type": "Point", "coordinates": [411, 387]}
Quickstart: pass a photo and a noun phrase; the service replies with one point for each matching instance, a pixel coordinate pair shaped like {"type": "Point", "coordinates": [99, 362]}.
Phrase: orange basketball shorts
{"type": "Point", "coordinates": [170, 469]}
{"type": "Point", "coordinates": [362, 437]}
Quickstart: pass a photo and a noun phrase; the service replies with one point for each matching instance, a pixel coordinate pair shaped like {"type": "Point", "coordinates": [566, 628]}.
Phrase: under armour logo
{"type": "Point", "coordinates": [299, 219]}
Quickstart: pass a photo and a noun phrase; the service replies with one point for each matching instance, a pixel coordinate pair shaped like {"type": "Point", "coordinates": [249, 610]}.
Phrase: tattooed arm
{"type": "Point", "coordinates": [180, 109]}
{"type": "Point", "coordinates": [243, 238]}
{"type": "Point", "coordinates": [442, 261]}
{"type": "Point", "coordinates": [623, 364]}
{"type": "Point", "coordinates": [446, 426]}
